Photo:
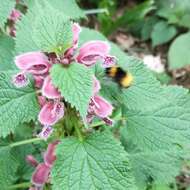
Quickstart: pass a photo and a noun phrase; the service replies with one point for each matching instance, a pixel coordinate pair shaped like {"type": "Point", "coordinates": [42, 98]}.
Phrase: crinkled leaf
{"type": "Point", "coordinates": [161, 166]}
{"type": "Point", "coordinates": [16, 105]}
{"type": "Point", "coordinates": [6, 55]}
{"type": "Point", "coordinates": [68, 7]}
{"type": "Point", "coordinates": [6, 7]}
{"type": "Point", "coordinates": [163, 126]}
{"type": "Point", "coordinates": [179, 52]}
{"type": "Point", "coordinates": [75, 84]}
{"type": "Point", "coordinates": [162, 33]}
{"type": "Point", "coordinates": [98, 162]}
{"type": "Point", "coordinates": [8, 168]}
{"type": "Point", "coordinates": [52, 32]}
{"type": "Point", "coordinates": [24, 41]}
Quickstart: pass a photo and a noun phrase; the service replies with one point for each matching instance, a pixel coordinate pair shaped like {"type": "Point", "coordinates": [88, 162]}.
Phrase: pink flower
{"type": "Point", "coordinates": [102, 108]}
{"type": "Point", "coordinates": [15, 15]}
{"type": "Point", "coordinates": [38, 81]}
{"type": "Point", "coordinates": [93, 51]}
{"type": "Point", "coordinates": [76, 31]}
{"type": "Point", "coordinates": [20, 80]}
{"type": "Point", "coordinates": [51, 112]}
{"type": "Point", "coordinates": [41, 101]}
{"type": "Point", "coordinates": [33, 62]}
{"type": "Point", "coordinates": [49, 155]}
{"type": "Point", "coordinates": [49, 90]}
{"type": "Point", "coordinates": [41, 174]}
{"type": "Point", "coordinates": [32, 161]}
{"type": "Point", "coordinates": [96, 85]}
{"type": "Point", "coordinates": [46, 132]}
{"type": "Point", "coordinates": [98, 106]}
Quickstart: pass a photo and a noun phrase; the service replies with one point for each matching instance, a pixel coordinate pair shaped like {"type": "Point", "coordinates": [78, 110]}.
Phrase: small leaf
{"type": "Point", "coordinates": [75, 84]}
{"type": "Point", "coordinates": [6, 55]}
{"type": "Point", "coordinates": [162, 33]}
{"type": "Point", "coordinates": [179, 52]}
{"type": "Point", "coordinates": [8, 168]}
{"type": "Point", "coordinates": [16, 105]}
{"type": "Point", "coordinates": [99, 162]}
{"type": "Point", "coordinates": [5, 10]}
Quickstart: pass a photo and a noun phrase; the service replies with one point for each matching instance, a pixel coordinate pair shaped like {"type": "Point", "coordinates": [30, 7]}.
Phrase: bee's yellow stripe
{"type": "Point", "coordinates": [127, 80]}
{"type": "Point", "coordinates": [112, 71]}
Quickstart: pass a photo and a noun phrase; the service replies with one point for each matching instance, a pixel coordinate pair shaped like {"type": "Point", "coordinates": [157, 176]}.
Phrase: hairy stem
{"type": "Point", "coordinates": [79, 134]}
{"type": "Point", "coordinates": [28, 141]}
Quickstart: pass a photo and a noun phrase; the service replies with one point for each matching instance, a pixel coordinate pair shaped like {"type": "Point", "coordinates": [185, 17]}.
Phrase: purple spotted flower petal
{"type": "Point", "coordinates": [20, 80]}
{"type": "Point", "coordinates": [109, 61]}
{"type": "Point", "coordinates": [46, 132]}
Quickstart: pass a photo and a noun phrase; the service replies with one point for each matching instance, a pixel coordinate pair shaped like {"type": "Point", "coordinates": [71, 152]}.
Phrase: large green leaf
{"type": "Point", "coordinates": [98, 162]}
{"type": "Point", "coordinates": [161, 166]}
{"type": "Point", "coordinates": [6, 55]}
{"type": "Point", "coordinates": [179, 52]}
{"type": "Point", "coordinates": [75, 84]}
{"type": "Point", "coordinates": [162, 33]}
{"type": "Point", "coordinates": [52, 32]}
{"type": "Point", "coordinates": [163, 126]}
{"type": "Point", "coordinates": [8, 167]}
{"type": "Point", "coordinates": [16, 105]}
{"type": "Point", "coordinates": [5, 10]}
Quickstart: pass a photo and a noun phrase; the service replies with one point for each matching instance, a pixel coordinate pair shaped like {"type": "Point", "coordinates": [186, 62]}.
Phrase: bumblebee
{"type": "Point", "coordinates": [121, 77]}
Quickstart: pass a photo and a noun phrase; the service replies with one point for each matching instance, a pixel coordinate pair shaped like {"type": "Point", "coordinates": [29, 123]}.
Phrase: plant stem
{"type": "Point", "coordinates": [96, 11]}
{"type": "Point", "coordinates": [79, 134]}
{"type": "Point", "coordinates": [25, 142]}
{"type": "Point", "coordinates": [21, 185]}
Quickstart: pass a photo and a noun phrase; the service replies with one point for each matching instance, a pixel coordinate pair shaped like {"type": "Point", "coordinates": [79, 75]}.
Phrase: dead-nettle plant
{"type": "Point", "coordinates": [57, 97]}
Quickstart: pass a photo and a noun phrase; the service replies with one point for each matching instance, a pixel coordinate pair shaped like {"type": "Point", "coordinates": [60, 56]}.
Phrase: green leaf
{"type": "Point", "coordinates": [147, 28]}
{"type": "Point", "coordinates": [75, 84]}
{"type": "Point", "coordinates": [161, 166]}
{"type": "Point", "coordinates": [163, 126]}
{"type": "Point", "coordinates": [52, 32]}
{"type": "Point", "coordinates": [16, 105]}
{"type": "Point", "coordinates": [136, 14]}
{"type": "Point", "coordinates": [5, 10]}
{"type": "Point", "coordinates": [98, 162]}
{"type": "Point", "coordinates": [176, 11]}
{"type": "Point", "coordinates": [25, 28]}
{"type": "Point", "coordinates": [8, 167]}
{"type": "Point", "coordinates": [67, 7]}
{"type": "Point", "coordinates": [179, 52]}
{"type": "Point", "coordinates": [162, 33]}
{"type": "Point", "coordinates": [6, 49]}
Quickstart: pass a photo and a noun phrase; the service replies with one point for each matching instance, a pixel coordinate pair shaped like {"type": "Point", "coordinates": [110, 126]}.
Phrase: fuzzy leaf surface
{"type": "Point", "coordinates": [75, 84]}
{"type": "Point", "coordinates": [16, 105]}
{"type": "Point", "coordinates": [98, 162]}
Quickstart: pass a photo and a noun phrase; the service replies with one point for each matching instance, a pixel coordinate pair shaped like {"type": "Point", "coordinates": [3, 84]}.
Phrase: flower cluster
{"type": "Point", "coordinates": [39, 63]}
{"type": "Point", "coordinates": [42, 170]}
